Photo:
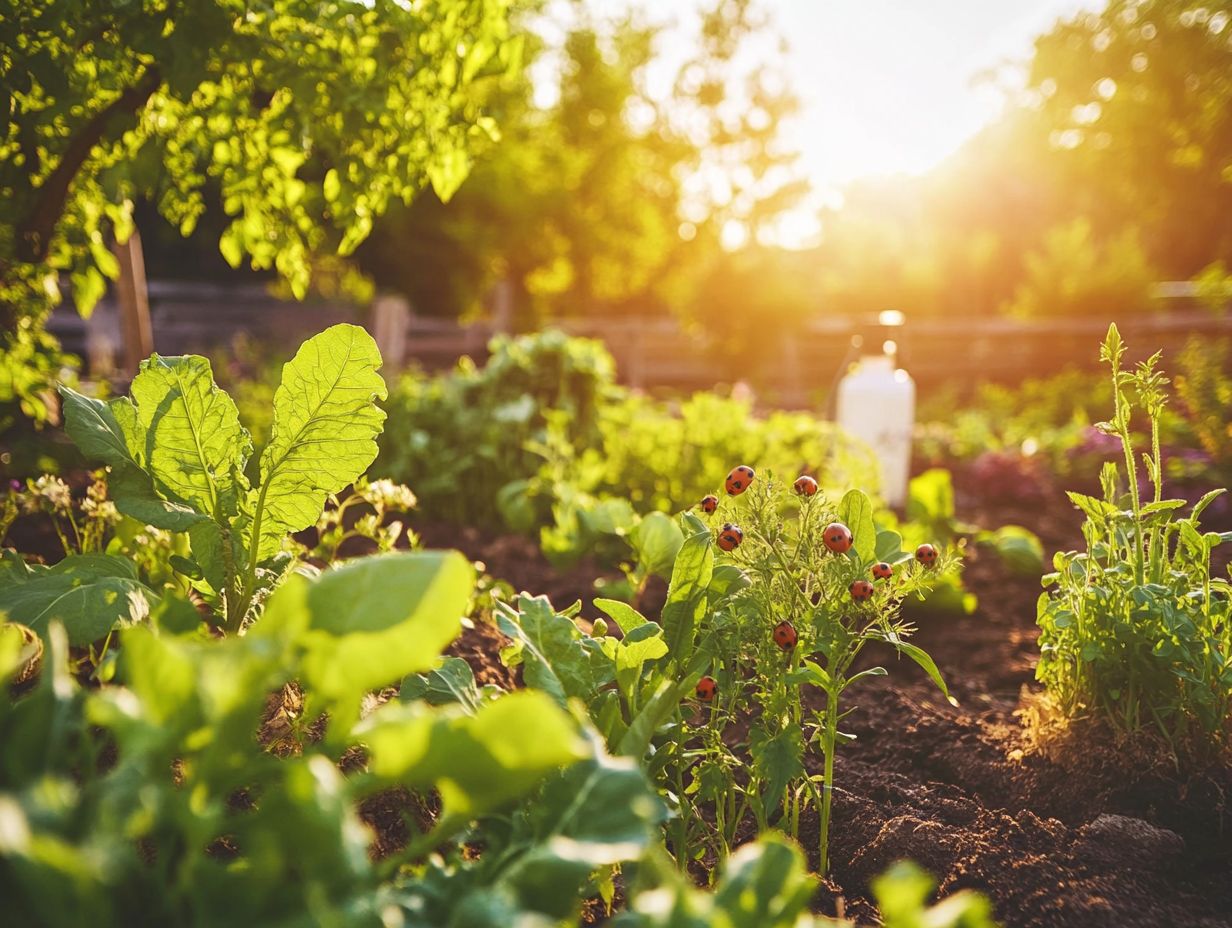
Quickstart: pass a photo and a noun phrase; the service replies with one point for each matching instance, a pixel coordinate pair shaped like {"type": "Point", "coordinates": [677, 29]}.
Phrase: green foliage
{"type": "Point", "coordinates": [717, 619]}
{"type": "Point", "coordinates": [178, 453]}
{"type": "Point", "coordinates": [307, 117]}
{"type": "Point", "coordinates": [153, 799]}
{"type": "Point", "coordinates": [765, 885]}
{"type": "Point", "coordinates": [541, 438]}
{"type": "Point", "coordinates": [463, 438]}
{"type": "Point", "coordinates": [1073, 273]}
{"type": "Point", "coordinates": [89, 594]}
{"type": "Point", "coordinates": [1135, 628]}
{"type": "Point", "coordinates": [1204, 390]}
{"type": "Point", "coordinates": [598, 196]}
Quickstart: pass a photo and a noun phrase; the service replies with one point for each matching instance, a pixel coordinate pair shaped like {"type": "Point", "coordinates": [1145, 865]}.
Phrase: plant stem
{"type": "Point", "coordinates": [829, 736]}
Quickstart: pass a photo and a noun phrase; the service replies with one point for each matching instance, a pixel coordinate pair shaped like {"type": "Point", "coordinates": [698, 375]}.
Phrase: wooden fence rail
{"type": "Point", "coordinates": [659, 353]}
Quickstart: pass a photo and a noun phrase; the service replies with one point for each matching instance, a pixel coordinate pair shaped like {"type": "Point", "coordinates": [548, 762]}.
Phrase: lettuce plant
{"type": "Point", "coordinates": [179, 458]}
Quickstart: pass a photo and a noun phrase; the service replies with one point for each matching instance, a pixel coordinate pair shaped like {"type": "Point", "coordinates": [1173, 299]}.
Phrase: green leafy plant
{"type": "Point", "coordinates": [178, 455]}
{"type": "Point", "coordinates": [824, 583]}
{"type": "Point", "coordinates": [765, 884]}
{"type": "Point", "coordinates": [1136, 629]}
{"type": "Point", "coordinates": [157, 798]}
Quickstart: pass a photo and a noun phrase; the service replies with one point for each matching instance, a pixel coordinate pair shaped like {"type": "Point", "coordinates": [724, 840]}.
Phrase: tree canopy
{"type": "Point", "coordinates": [306, 116]}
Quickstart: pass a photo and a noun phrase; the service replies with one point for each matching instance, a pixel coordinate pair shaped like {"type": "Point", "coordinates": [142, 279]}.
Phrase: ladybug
{"type": "Point", "coordinates": [785, 635]}
{"type": "Point", "coordinates": [926, 555]}
{"type": "Point", "coordinates": [709, 503]}
{"type": "Point", "coordinates": [861, 591]}
{"type": "Point", "coordinates": [739, 480]}
{"type": "Point", "coordinates": [706, 688]}
{"type": "Point", "coordinates": [837, 537]}
{"type": "Point", "coordinates": [883, 571]}
{"type": "Point", "coordinates": [730, 537]}
{"type": "Point", "coordinates": [805, 485]}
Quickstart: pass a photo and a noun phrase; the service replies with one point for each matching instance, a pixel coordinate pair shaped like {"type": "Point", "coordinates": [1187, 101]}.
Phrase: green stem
{"type": "Point", "coordinates": [829, 736]}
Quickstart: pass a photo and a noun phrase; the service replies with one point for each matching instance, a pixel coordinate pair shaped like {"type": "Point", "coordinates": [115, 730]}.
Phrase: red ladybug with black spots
{"type": "Point", "coordinates": [730, 537]}
{"type": "Point", "coordinates": [785, 635]}
{"type": "Point", "coordinates": [861, 591]}
{"type": "Point", "coordinates": [739, 480]}
{"type": "Point", "coordinates": [805, 485]}
{"type": "Point", "coordinates": [709, 503]}
{"type": "Point", "coordinates": [926, 555]}
{"type": "Point", "coordinates": [706, 688]}
{"type": "Point", "coordinates": [883, 571]}
{"type": "Point", "coordinates": [837, 537]}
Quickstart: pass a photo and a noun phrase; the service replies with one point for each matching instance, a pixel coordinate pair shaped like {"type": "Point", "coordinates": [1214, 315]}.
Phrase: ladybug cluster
{"type": "Point", "coordinates": [739, 480]}
{"type": "Point", "coordinates": [837, 538]}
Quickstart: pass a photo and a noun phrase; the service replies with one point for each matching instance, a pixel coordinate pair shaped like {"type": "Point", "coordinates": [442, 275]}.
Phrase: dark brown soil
{"type": "Point", "coordinates": [1073, 831]}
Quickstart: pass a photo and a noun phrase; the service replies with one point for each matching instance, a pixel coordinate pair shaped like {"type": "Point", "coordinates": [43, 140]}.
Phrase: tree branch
{"type": "Point", "coordinates": [37, 229]}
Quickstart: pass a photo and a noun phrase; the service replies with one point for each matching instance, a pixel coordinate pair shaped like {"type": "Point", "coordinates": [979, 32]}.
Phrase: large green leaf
{"type": "Point", "coordinates": [686, 595]}
{"type": "Point", "coordinates": [656, 540]}
{"type": "Point", "coordinates": [478, 762]}
{"type": "Point", "coordinates": [195, 447]}
{"type": "Point", "coordinates": [625, 615]}
{"type": "Point", "coordinates": [88, 593]}
{"type": "Point", "coordinates": [550, 649]}
{"type": "Point", "coordinates": [778, 758]}
{"type": "Point", "coordinates": [597, 813]}
{"type": "Point", "coordinates": [324, 435]}
{"type": "Point", "coordinates": [856, 512]}
{"type": "Point", "coordinates": [110, 434]}
{"type": "Point", "coordinates": [373, 620]}
{"type": "Point", "coordinates": [763, 885]}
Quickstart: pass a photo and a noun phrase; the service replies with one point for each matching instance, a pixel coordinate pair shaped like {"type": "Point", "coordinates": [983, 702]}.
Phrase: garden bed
{"type": "Point", "coordinates": [1076, 831]}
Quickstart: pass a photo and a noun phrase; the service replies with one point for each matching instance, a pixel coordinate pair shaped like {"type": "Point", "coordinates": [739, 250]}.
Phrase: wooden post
{"type": "Point", "coordinates": [391, 318]}
{"type": "Point", "coordinates": [133, 299]}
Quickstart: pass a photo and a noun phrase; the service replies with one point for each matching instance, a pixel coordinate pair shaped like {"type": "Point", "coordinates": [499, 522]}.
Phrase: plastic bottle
{"type": "Point", "coordinates": [876, 402]}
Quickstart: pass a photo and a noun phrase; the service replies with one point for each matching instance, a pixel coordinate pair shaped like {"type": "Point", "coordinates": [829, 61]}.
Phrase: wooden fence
{"type": "Point", "coordinates": [661, 354]}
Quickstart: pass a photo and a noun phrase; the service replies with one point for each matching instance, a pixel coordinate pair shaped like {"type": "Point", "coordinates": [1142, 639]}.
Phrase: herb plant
{"type": "Point", "coordinates": [1135, 629]}
{"type": "Point", "coordinates": [818, 572]}
{"type": "Point", "coordinates": [751, 635]}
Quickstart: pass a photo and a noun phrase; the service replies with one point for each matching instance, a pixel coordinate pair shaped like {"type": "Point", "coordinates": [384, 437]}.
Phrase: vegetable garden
{"type": "Point", "coordinates": [298, 634]}
{"type": "Point", "coordinates": [246, 684]}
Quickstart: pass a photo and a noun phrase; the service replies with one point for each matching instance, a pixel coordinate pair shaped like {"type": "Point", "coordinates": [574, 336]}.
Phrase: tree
{"type": "Point", "coordinates": [308, 116]}
{"type": "Point", "coordinates": [1138, 101]}
{"type": "Point", "coordinates": [609, 198]}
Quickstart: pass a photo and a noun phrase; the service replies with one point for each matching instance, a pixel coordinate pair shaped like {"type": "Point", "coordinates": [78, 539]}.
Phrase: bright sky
{"type": "Point", "coordinates": [891, 85]}
{"type": "Point", "coordinates": [886, 86]}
